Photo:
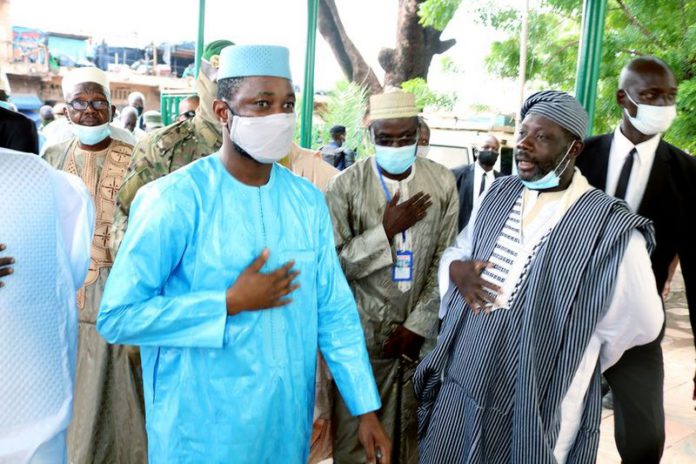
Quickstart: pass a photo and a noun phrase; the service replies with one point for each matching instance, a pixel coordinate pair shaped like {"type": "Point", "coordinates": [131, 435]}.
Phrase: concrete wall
{"type": "Point", "coordinates": [48, 88]}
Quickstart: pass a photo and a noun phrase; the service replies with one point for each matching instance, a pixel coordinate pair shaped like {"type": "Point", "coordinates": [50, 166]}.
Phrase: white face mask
{"type": "Point", "coordinates": [423, 151]}
{"type": "Point", "coordinates": [651, 120]}
{"type": "Point", "coordinates": [267, 139]}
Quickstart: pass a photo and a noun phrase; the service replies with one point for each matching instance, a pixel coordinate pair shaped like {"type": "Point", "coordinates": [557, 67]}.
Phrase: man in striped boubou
{"type": "Point", "coordinates": [531, 294]}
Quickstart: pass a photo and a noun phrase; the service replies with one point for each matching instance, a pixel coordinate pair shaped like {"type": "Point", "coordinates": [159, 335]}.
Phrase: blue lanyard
{"type": "Point", "coordinates": [388, 195]}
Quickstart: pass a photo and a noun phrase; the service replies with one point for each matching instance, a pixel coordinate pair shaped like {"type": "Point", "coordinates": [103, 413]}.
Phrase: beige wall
{"type": "Point", "coordinates": [5, 32]}
{"type": "Point", "coordinates": [49, 88]}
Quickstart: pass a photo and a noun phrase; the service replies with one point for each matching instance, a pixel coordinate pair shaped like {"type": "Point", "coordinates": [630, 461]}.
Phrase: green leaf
{"type": "Point", "coordinates": [554, 34]}
{"type": "Point", "coordinates": [426, 97]}
{"type": "Point", "coordinates": [437, 13]}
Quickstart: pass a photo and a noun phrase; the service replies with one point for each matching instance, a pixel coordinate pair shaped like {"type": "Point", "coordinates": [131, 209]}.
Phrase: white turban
{"type": "Point", "coordinates": [82, 75]}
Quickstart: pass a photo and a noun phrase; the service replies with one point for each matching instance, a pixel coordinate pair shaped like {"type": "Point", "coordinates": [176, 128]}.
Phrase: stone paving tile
{"type": "Point", "coordinates": [680, 424]}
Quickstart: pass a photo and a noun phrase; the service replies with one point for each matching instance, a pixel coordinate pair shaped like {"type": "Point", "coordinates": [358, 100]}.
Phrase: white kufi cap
{"type": "Point", "coordinates": [82, 75]}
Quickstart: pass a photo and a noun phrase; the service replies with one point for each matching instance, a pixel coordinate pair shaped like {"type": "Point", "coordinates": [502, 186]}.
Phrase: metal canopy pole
{"type": "Point", "coordinates": [308, 88]}
{"type": "Point", "coordinates": [594, 13]}
{"type": "Point", "coordinates": [199, 39]}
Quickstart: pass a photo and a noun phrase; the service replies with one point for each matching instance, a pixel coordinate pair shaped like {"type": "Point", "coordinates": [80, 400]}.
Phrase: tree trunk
{"type": "Point", "coordinates": [415, 47]}
{"type": "Point", "coordinates": [348, 56]}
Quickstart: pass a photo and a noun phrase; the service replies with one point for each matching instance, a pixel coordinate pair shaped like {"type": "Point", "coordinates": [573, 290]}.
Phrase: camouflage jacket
{"type": "Point", "coordinates": [158, 154]}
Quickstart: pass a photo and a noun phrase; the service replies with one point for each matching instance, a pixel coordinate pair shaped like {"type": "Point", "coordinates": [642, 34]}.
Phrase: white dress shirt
{"type": "Point", "coordinates": [640, 172]}
{"type": "Point", "coordinates": [43, 440]}
{"type": "Point", "coordinates": [478, 173]}
{"type": "Point", "coordinates": [633, 315]}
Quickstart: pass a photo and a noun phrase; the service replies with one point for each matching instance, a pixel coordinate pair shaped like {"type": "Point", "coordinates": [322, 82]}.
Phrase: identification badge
{"type": "Point", "coordinates": [403, 269]}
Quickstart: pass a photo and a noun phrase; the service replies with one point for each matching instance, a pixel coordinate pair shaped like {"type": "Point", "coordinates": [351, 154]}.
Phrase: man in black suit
{"type": "Point", "coordinates": [657, 180]}
{"type": "Point", "coordinates": [475, 178]}
{"type": "Point", "coordinates": [17, 132]}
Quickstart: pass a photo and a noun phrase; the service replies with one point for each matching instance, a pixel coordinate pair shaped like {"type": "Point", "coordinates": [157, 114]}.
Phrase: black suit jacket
{"type": "Point", "coordinates": [669, 201]}
{"type": "Point", "coordinates": [17, 132]}
{"type": "Point", "coordinates": [464, 176]}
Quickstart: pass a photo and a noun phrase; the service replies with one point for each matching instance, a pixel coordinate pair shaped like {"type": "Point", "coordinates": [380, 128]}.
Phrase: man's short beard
{"type": "Point", "coordinates": [243, 152]}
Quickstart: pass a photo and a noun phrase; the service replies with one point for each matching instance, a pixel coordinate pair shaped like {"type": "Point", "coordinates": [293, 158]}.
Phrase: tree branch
{"type": "Point", "coordinates": [410, 58]}
{"type": "Point", "coordinates": [445, 45]}
{"type": "Point", "coordinates": [633, 20]}
{"type": "Point", "coordinates": [415, 47]}
{"type": "Point", "coordinates": [348, 56]}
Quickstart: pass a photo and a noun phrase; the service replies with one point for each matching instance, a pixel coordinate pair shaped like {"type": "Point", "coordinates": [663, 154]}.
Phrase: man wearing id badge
{"type": "Point", "coordinates": [394, 214]}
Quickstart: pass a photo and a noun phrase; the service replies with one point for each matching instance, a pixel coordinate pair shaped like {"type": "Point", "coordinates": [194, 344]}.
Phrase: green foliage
{"type": "Point", "coordinates": [437, 13]}
{"type": "Point", "coordinates": [448, 65]}
{"type": "Point", "coordinates": [480, 108]}
{"type": "Point", "coordinates": [683, 131]}
{"type": "Point", "coordinates": [346, 106]}
{"type": "Point", "coordinates": [633, 28]}
{"type": "Point", "coordinates": [548, 59]}
{"type": "Point", "coordinates": [428, 98]}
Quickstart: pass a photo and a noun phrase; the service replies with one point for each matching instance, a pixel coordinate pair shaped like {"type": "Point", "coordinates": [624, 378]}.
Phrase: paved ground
{"type": "Point", "coordinates": [678, 346]}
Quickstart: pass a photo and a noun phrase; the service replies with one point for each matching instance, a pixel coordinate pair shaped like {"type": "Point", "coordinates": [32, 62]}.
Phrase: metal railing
{"type": "Point", "coordinates": [169, 104]}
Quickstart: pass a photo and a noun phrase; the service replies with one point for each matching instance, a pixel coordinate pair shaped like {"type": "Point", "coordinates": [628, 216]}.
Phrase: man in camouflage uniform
{"type": "Point", "coordinates": [172, 147]}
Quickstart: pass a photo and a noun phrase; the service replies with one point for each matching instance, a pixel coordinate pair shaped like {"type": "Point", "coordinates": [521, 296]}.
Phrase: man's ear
{"type": "Point", "coordinates": [621, 97]}
{"type": "Point", "coordinates": [578, 145]}
{"type": "Point", "coordinates": [221, 111]}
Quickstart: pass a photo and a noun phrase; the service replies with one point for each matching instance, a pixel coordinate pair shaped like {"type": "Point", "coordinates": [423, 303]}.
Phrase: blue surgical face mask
{"type": "Point", "coordinates": [90, 135]}
{"type": "Point", "coordinates": [552, 179]}
{"type": "Point", "coordinates": [395, 160]}
{"type": "Point", "coordinates": [6, 105]}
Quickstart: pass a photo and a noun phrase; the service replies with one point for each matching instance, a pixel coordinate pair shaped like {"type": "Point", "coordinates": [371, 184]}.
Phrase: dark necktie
{"type": "Point", "coordinates": [622, 185]}
{"type": "Point", "coordinates": [483, 184]}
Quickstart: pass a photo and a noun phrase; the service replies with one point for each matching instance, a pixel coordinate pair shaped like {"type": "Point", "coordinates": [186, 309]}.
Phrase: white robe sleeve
{"type": "Point", "coordinates": [634, 317]}
{"type": "Point", "coordinates": [76, 221]}
{"type": "Point", "coordinates": [461, 251]}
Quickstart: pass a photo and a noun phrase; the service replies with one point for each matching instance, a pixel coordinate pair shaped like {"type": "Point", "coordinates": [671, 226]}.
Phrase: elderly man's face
{"type": "Point", "coordinates": [395, 132]}
{"type": "Point", "coordinates": [129, 119]}
{"type": "Point", "coordinates": [88, 105]}
{"type": "Point", "coordinates": [541, 146]}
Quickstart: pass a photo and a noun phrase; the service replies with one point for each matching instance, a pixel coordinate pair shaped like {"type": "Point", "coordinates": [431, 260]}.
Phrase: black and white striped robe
{"type": "Point", "coordinates": [491, 391]}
